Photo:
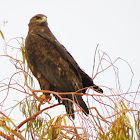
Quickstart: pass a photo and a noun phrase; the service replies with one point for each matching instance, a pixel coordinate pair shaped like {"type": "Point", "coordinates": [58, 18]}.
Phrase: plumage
{"type": "Point", "coordinates": [53, 66]}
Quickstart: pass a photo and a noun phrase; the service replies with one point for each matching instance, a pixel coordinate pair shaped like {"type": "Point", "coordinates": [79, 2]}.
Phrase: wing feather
{"type": "Point", "coordinates": [54, 66]}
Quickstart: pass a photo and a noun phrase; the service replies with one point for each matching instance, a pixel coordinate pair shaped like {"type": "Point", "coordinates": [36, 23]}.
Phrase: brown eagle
{"type": "Point", "coordinates": [53, 66]}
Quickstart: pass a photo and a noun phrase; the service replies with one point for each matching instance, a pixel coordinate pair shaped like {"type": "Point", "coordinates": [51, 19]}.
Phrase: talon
{"type": "Point", "coordinates": [47, 97]}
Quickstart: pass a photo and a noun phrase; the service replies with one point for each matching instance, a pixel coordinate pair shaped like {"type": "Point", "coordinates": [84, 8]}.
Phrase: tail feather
{"type": "Point", "coordinates": [69, 108]}
{"type": "Point", "coordinates": [81, 103]}
{"type": "Point", "coordinates": [97, 88]}
{"type": "Point", "coordinates": [87, 82]}
{"type": "Point", "coordinates": [69, 105]}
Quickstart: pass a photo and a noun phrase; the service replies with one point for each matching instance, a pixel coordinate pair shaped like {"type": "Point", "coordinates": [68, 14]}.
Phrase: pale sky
{"type": "Point", "coordinates": [80, 25]}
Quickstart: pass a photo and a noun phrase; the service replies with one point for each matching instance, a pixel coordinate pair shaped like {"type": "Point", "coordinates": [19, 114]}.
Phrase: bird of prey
{"type": "Point", "coordinates": [54, 67]}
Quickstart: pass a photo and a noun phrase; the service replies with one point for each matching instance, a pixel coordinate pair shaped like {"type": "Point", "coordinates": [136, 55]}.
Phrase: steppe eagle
{"type": "Point", "coordinates": [53, 66]}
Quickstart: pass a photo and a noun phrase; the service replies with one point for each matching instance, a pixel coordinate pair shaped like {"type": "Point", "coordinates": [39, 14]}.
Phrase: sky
{"type": "Point", "coordinates": [80, 25]}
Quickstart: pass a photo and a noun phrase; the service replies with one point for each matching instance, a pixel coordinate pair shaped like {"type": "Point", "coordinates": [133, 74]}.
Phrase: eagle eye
{"type": "Point", "coordinates": [38, 18]}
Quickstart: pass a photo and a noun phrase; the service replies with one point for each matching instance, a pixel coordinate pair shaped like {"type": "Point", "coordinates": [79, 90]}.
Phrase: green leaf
{"type": "Point", "coordinates": [2, 35]}
{"type": "Point", "coordinates": [64, 120]}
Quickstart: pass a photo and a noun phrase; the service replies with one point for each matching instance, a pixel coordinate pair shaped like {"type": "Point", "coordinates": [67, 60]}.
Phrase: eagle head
{"type": "Point", "coordinates": [38, 20]}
